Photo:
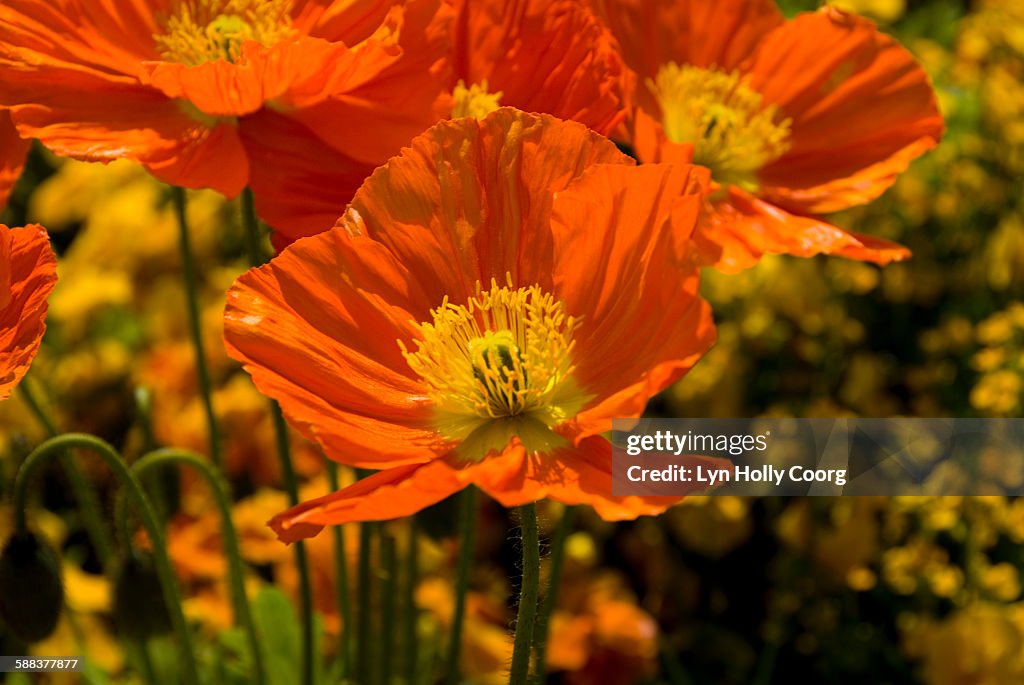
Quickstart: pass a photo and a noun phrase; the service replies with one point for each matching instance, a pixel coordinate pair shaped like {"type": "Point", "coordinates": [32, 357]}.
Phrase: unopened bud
{"type": "Point", "coordinates": [31, 591]}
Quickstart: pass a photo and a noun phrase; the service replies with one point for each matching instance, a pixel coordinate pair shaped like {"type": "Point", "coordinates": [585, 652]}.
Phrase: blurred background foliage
{"type": "Point", "coordinates": [722, 590]}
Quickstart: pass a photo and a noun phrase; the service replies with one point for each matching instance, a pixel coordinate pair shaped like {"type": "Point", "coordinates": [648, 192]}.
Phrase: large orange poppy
{"type": "Point", "coordinates": [28, 272]}
{"type": "Point", "coordinates": [491, 299]}
{"type": "Point", "coordinates": [225, 93]}
{"type": "Point", "coordinates": [794, 118]}
{"type": "Point", "coordinates": [550, 56]}
{"type": "Point", "coordinates": [12, 156]}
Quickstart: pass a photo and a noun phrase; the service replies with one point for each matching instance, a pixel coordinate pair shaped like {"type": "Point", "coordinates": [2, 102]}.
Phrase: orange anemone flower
{"type": "Point", "coordinates": [13, 150]}
{"type": "Point", "coordinates": [550, 56]}
{"type": "Point", "coordinates": [490, 300]}
{"type": "Point", "coordinates": [794, 118]}
{"type": "Point", "coordinates": [228, 93]}
{"type": "Point", "coordinates": [28, 272]}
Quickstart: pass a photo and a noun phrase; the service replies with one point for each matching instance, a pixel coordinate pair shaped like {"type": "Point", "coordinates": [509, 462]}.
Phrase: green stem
{"type": "Point", "coordinates": [467, 547]}
{"type": "Point", "coordinates": [188, 267]}
{"type": "Point", "coordinates": [364, 665]}
{"type": "Point", "coordinates": [252, 229]}
{"type": "Point", "coordinates": [145, 663]}
{"type": "Point", "coordinates": [548, 603]}
{"type": "Point", "coordinates": [232, 548]}
{"type": "Point", "coordinates": [291, 483]}
{"type": "Point", "coordinates": [284, 452]}
{"type": "Point", "coordinates": [85, 494]}
{"type": "Point", "coordinates": [168, 582]}
{"type": "Point", "coordinates": [523, 642]}
{"type": "Point", "coordinates": [341, 579]}
{"type": "Point", "coordinates": [411, 611]}
{"type": "Point", "coordinates": [389, 565]}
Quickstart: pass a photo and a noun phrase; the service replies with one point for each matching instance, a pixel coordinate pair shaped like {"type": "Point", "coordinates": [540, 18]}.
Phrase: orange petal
{"type": "Point", "coordinates": [317, 328]}
{"type": "Point", "coordinates": [301, 186]}
{"type": "Point", "coordinates": [386, 495]}
{"type": "Point", "coordinates": [643, 324]}
{"type": "Point", "coordinates": [13, 150]}
{"type": "Point", "coordinates": [706, 34]}
{"type": "Point", "coordinates": [572, 475]}
{"type": "Point", "coordinates": [468, 201]}
{"type": "Point", "coordinates": [291, 74]}
{"type": "Point", "coordinates": [551, 56]}
{"type": "Point", "coordinates": [69, 77]}
{"type": "Point", "coordinates": [28, 273]}
{"type": "Point", "coordinates": [861, 110]}
{"type": "Point", "coordinates": [396, 98]}
{"type": "Point", "coordinates": [652, 146]}
{"type": "Point", "coordinates": [341, 21]}
{"type": "Point", "coordinates": [741, 228]}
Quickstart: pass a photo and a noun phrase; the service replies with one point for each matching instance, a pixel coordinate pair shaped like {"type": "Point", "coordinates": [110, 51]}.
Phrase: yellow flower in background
{"type": "Point", "coordinates": [979, 645]}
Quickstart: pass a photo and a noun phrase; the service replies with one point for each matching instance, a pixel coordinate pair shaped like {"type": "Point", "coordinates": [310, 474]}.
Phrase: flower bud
{"type": "Point", "coordinates": [31, 591]}
{"type": "Point", "coordinates": [139, 609]}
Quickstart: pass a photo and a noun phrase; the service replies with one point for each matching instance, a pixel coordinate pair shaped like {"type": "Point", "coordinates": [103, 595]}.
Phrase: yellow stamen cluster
{"type": "Point", "coordinates": [504, 355]}
{"type": "Point", "coordinates": [474, 101]}
{"type": "Point", "coordinates": [732, 132]}
{"type": "Point", "coordinates": [199, 31]}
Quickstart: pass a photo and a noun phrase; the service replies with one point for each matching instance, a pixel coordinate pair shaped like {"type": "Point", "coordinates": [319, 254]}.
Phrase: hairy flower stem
{"type": "Point", "coordinates": [284, 453]}
{"type": "Point", "coordinates": [85, 494]}
{"type": "Point", "coordinates": [144, 509]}
{"type": "Point", "coordinates": [548, 603]}
{"type": "Point", "coordinates": [341, 589]}
{"type": "Point", "coordinates": [188, 268]}
{"type": "Point", "coordinates": [522, 645]}
{"type": "Point", "coordinates": [467, 546]}
{"type": "Point", "coordinates": [232, 548]}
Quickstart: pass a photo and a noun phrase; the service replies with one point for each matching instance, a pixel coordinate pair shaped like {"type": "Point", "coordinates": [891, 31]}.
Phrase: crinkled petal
{"type": "Point", "coordinates": [545, 56]}
{"type": "Point", "coordinates": [861, 110]}
{"type": "Point", "coordinates": [13, 150]}
{"type": "Point", "coordinates": [28, 273]}
{"type": "Point", "coordinates": [741, 229]}
{"type": "Point", "coordinates": [317, 328]}
{"type": "Point", "coordinates": [642, 323]}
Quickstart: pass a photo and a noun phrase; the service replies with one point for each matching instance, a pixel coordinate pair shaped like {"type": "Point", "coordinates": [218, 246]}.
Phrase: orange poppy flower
{"type": "Point", "coordinates": [794, 118]}
{"type": "Point", "coordinates": [550, 56]}
{"type": "Point", "coordinates": [491, 299]}
{"type": "Point", "coordinates": [12, 156]}
{"type": "Point", "coordinates": [28, 272]}
{"type": "Point", "coordinates": [225, 93]}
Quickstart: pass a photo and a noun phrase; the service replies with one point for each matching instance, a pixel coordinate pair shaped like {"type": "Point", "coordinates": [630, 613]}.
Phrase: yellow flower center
{"type": "Point", "coordinates": [474, 101]}
{"type": "Point", "coordinates": [731, 130]}
{"type": "Point", "coordinates": [499, 366]}
{"type": "Point", "coordinates": [199, 31]}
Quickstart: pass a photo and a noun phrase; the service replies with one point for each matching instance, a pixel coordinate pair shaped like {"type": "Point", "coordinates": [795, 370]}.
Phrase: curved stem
{"type": "Point", "coordinates": [85, 494]}
{"type": "Point", "coordinates": [548, 603]}
{"type": "Point", "coordinates": [523, 642]}
{"type": "Point", "coordinates": [168, 582]}
{"type": "Point", "coordinates": [188, 267]}
{"type": "Point", "coordinates": [232, 548]}
{"type": "Point", "coordinates": [467, 546]}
